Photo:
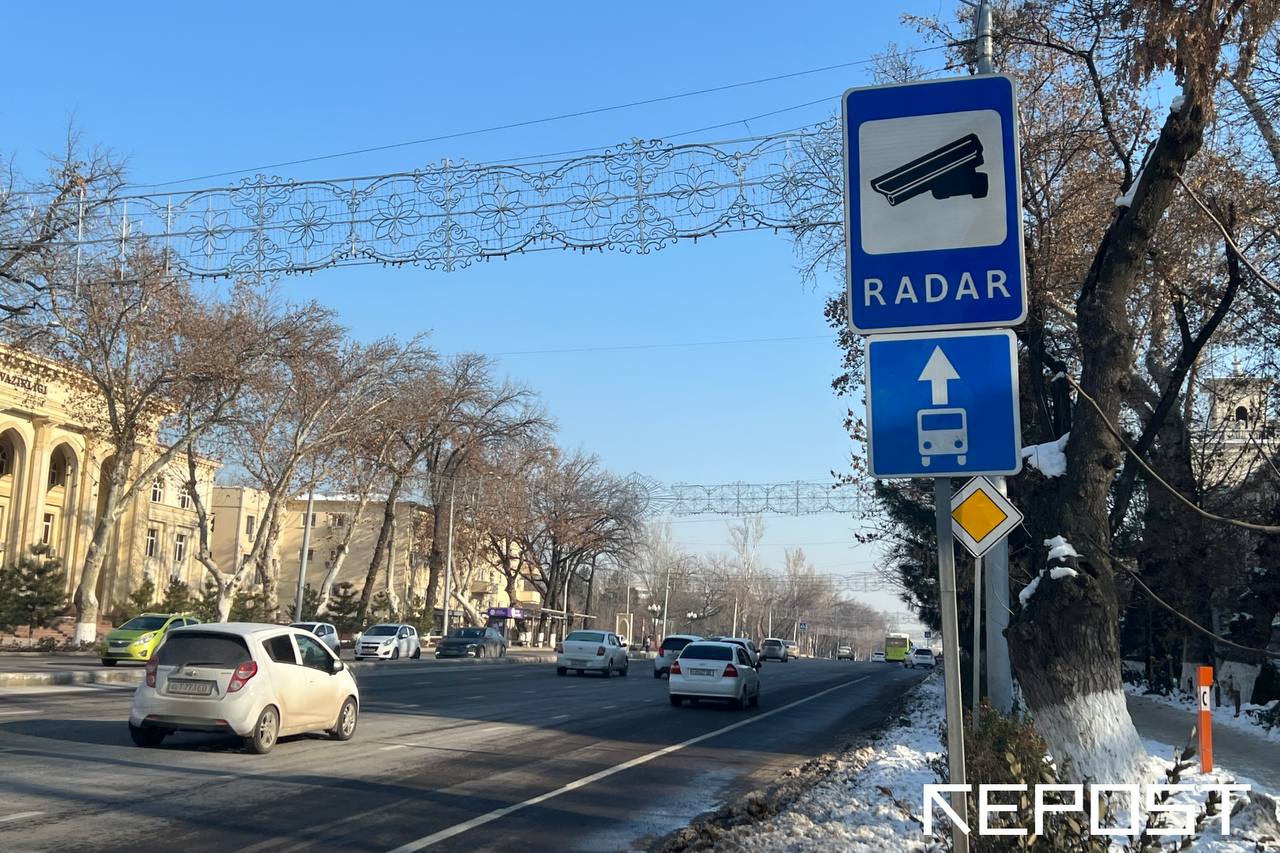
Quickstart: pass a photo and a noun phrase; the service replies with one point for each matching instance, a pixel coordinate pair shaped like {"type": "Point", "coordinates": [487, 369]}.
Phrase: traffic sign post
{"type": "Point", "coordinates": [943, 404]}
{"type": "Point", "coordinates": [933, 206]}
{"type": "Point", "coordinates": [933, 240]}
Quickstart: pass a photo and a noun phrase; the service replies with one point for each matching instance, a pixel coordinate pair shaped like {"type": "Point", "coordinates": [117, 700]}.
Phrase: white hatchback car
{"type": "Point", "coordinates": [920, 657]}
{"type": "Point", "coordinates": [591, 651]}
{"type": "Point", "coordinates": [389, 641]}
{"type": "Point", "coordinates": [707, 670]}
{"type": "Point", "coordinates": [259, 682]}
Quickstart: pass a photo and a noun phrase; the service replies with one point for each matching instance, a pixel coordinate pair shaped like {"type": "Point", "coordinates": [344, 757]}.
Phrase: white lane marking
{"type": "Point", "coordinates": [19, 816]}
{"type": "Point", "coordinates": [457, 829]}
{"type": "Point", "coordinates": [394, 746]}
{"type": "Point", "coordinates": [607, 707]}
{"type": "Point", "coordinates": [560, 717]}
{"type": "Point", "coordinates": [528, 691]}
{"type": "Point", "coordinates": [14, 713]}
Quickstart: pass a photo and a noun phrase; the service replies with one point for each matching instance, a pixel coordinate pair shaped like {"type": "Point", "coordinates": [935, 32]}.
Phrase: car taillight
{"type": "Point", "coordinates": [599, 651]}
{"type": "Point", "coordinates": [241, 676]}
{"type": "Point", "coordinates": [559, 648]}
{"type": "Point", "coordinates": [730, 671]}
{"type": "Point", "coordinates": [675, 667]}
{"type": "Point", "coordinates": [151, 671]}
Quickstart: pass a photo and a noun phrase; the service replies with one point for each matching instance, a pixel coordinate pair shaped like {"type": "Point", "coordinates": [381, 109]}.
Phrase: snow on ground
{"type": "Point", "coordinates": [1222, 716]}
{"type": "Point", "coordinates": [847, 811]}
{"type": "Point", "coordinates": [853, 810]}
{"type": "Point", "coordinates": [1240, 826]}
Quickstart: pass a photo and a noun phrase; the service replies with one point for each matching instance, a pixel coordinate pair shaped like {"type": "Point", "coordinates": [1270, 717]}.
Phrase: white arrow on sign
{"type": "Point", "coordinates": [938, 372]}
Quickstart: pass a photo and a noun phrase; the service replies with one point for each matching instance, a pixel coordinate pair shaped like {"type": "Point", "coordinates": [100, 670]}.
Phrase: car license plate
{"type": "Point", "coordinates": [190, 688]}
{"type": "Point", "coordinates": [577, 662]}
{"type": "Point", "coordinates": [702, 672]}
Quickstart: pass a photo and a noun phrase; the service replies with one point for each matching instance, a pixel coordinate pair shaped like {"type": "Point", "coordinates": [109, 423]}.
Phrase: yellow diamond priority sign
{"type": "Point", "coordinates": [982, 516]}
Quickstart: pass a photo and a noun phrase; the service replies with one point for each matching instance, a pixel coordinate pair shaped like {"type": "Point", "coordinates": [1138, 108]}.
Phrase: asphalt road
{"type": "Point", "coordinates": [445, 758]}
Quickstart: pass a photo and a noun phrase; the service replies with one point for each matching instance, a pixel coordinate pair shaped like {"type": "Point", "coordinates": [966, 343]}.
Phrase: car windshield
{"type": "Point", "coordinates": [706, 651]}
{"type": "Point", "coordinates": [468, 633]}
{"type": "Point", "coordinates": [585, 637]}
{"type": "Point", "coordinates": [672, 644]}
{"type": "Point", "coordinates": [304, 626]}
{"type": "Point", "coordinates": [382, 631]}
{"type": "Point", "coordinates": [773, 644]}
{"type": "Point", "coordinates": [203, 648]}
{"type": "Point", "coordinates": [144, 623]}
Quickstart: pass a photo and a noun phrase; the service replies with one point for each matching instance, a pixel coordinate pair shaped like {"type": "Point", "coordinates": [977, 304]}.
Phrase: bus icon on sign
{"type": "Point", "coordinates": [942, 432]}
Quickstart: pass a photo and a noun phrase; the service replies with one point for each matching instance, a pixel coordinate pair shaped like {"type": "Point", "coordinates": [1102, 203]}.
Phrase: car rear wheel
{"type": "Point", "coordinates": [265, 731]}
{"type": "Point", "coordinates": [755, 699]}
{"type": "Point", "coordinates": [657, 673]}
{"type": "Point", "coordinates": [744, 701]}
{"type": "Point", "coordinates": [479, 651]}
{"type": "Point", "coordinates": [108, 662]}
{"type": "Point", "coordinates": [147, 737]}
{"type": "Point", "coordinates": [677, 701]}
{"type": "Point", "coordinates": [346, 725]}
{"type": "Point", "coordinates": [625, 667]}
{"type": "Point", "coordinates": [561, 671]}
{"type": "Point", "coordinates": [608, 669]}
{"type": "Point", "coordinates": [417, 653]}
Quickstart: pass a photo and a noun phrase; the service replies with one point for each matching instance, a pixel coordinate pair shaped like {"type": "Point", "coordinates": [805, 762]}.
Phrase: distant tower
{"type": "Point", "coordinates": [1239, 424]}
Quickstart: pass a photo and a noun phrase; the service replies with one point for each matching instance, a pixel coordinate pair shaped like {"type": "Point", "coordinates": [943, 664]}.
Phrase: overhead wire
{"type": "Point", "coordinates": [531, 122]}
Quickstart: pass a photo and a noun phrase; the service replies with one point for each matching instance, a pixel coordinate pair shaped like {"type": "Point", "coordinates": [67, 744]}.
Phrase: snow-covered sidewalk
{"type": "Point", "coordinates": [866, 803]}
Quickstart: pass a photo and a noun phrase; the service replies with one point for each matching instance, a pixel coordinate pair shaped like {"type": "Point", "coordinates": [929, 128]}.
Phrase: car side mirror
{"type": "Point", "coordinates": [336, 666]}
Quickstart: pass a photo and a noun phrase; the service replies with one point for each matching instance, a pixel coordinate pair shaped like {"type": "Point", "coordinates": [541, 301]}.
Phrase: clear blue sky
{"type": "Point", "coordinates": [183, 90]}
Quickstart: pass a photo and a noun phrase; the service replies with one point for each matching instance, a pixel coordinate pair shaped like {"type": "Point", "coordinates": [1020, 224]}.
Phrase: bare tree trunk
{"type": "Point", "coordinates": [1065, 644]}
{"type": "Point", "coordinates": [436, 556]}
{"type": "Point", "coordinates": [86, 597]}
{"type": "Point", "coordinates": [380, 548]}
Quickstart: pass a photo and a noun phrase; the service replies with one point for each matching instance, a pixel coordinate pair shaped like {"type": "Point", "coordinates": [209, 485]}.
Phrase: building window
{"type": "Point", "coordinates": [157, 491]}
{"type": "Point", "coordinates": [1242, 414]}
{"type": "Point", "coordinates": [333, 555]}
{"type": "Point", "coordinates": [184, 499]}
{"type": "Point", "coordinates": [180, 549]}
{"type": "Point", "coordinates": [311, 555]}
{"type": "Point", "coordinates": [4, 461]}
{"type": "Point", "coordinates": [249, 523]}
{"type": "Point", "coordinates": [338, 519]}
{"type": "Point", "coordinates": [213, 518]}
{"type": "Point", "coordinates": [46, 529]}
{"type": "Point", "coordinates": [153, 537]}
{"type": "Point", "coordinates": [55, 474]}
{"type": "Point", "coordinates": [313, 519]}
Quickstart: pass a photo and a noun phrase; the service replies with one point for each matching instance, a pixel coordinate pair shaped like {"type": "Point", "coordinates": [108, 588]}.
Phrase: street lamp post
{"type": "Point", "coordinates": [654, 609]}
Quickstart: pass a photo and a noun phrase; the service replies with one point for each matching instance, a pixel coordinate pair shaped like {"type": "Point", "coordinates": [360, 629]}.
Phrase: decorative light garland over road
{"type": "Point", "coordinates": [636, 198]}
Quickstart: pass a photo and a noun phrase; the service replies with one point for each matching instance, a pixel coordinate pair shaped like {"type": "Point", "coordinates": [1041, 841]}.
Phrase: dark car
{"type": "Point", "coordinates": [472, 642]}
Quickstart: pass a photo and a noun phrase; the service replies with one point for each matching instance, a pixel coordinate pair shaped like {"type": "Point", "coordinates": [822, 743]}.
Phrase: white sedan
{"type": "Point", "coordinates": [258, 682]}
{"type": "Point", "coordinates": [591, 651]}
{"type": "Point", "coordinates": [708, 670]}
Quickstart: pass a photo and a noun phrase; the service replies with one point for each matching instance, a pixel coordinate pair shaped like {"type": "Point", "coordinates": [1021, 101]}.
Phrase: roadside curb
{"type": "Point", "coordinates": [80, 676]}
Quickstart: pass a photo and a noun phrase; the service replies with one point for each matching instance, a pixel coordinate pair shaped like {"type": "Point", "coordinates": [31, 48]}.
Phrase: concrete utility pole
{"type": "Point", "coordinates": [306, 544]}
{"type": "Point", "coordinates": [996, 563]}
{"type": "Point", "coordinates": [666, 599]}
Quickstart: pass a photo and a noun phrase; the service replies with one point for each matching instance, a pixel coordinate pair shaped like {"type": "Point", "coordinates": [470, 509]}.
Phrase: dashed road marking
{"type": "Point", "coordinates": [19, 816]}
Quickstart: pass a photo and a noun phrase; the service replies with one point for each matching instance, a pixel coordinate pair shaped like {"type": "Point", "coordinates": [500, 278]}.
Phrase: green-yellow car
{"type": "Point", "coordinates": [140, 636]}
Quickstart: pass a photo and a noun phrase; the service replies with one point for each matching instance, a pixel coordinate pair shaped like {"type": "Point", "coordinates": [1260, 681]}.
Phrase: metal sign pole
{"type": "Point", "coordinates": [951, 656]}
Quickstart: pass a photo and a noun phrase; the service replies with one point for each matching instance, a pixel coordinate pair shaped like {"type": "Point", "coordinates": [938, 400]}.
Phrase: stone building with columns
{"type": "Point", "coordinates": [51, 465]}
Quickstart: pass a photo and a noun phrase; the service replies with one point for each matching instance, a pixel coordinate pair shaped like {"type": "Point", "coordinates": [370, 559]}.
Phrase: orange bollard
{"type": "Point", "coordinates": [1204, 680]}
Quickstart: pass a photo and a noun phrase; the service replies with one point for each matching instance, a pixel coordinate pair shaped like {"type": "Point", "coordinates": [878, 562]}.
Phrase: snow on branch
{"type": "Point", "coordinates": [1050, 458]}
